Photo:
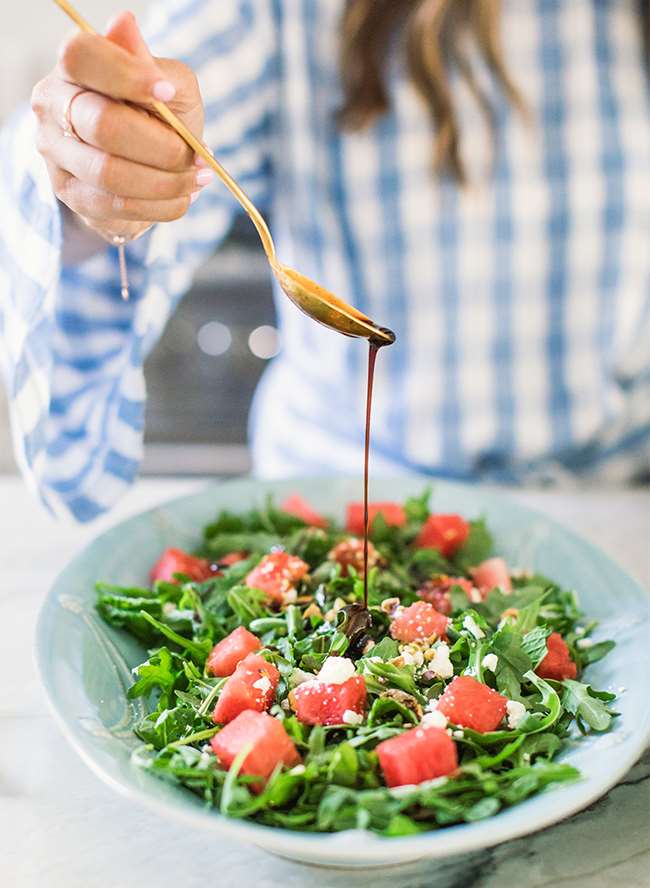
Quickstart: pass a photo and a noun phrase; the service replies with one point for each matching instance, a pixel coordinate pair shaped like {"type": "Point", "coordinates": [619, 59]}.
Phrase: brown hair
{"type": "Point", "coordinates": [431, 30]}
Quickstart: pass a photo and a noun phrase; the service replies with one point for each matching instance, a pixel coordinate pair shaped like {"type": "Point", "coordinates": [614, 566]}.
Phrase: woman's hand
{"type": "Point", "coordinates": [129, 169]}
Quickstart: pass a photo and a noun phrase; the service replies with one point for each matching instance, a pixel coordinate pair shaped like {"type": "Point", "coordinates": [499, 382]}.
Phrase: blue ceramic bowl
{"type": "Point", "coordinates": [85, 665]}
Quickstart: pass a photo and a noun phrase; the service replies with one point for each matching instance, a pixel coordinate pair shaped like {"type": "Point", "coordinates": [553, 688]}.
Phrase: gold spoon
{"type": "Point", "coordinates": [314, 300]}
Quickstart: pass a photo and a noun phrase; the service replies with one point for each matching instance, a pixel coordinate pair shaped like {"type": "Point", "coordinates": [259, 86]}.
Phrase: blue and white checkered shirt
{"type": "Point", "coordinates": [521, 304]}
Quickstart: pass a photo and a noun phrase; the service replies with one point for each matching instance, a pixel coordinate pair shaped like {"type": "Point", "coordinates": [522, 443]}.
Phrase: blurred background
{"type": "Point", "coordinates": [224, 332]}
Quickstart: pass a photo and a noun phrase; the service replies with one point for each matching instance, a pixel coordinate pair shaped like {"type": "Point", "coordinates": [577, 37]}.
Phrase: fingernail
{"type": "Point", "coordinates": [193, 196]}
{"type": "Point", "coordinates": [199, 161]}
{"type": "Point", "coordinates": [203, 177]}
{"type": "Point", "coordinates": [164, 91]}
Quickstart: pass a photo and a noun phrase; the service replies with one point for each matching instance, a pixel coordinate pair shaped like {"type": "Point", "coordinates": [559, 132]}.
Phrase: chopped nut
{"type": "Point", "coordinates": [510, 613]}
{"type": "Point", "coordinates": [312, 611]}
{"type": "Point", "coordinates": [388, 605]}
{"type": "Point", "coordinates": [369, 645]}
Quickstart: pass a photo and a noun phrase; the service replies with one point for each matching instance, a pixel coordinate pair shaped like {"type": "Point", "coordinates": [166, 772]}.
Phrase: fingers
{"type": "Point", "coordinates": [123, 30]}
{"type": "Point", "coordinates": [116, 175]}
{"type": "Point", "coordinates": [98, 64]}
{"type": "Point", "coordinates": [129, 166]}
{"type": "Point", "coordinates": [128, 132]}
{"type": "Point", "coordinates": [120, 66]}
{"type": "Point", "coordinates": [105, 209]}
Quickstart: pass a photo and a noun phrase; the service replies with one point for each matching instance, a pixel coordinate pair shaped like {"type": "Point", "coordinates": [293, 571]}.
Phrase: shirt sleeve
{"type": "Point", "coordinates": [71, 350]}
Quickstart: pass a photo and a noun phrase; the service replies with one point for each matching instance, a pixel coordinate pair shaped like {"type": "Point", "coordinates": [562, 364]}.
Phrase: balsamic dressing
{"type": "Point", "coordinates": [357, 619]}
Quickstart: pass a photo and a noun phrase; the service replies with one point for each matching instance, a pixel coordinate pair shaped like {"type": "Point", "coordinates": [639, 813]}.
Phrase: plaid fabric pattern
{"type": "Point", "coordinates": [521, 303]}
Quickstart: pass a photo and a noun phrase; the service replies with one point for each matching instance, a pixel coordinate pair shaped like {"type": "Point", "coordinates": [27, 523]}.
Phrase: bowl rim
{"type": "Point", "coordinates": [342, 847]}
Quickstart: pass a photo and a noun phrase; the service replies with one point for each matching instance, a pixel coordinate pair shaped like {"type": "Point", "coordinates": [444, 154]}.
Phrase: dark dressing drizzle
{"type": "Point", "coordinates": [356, 617]}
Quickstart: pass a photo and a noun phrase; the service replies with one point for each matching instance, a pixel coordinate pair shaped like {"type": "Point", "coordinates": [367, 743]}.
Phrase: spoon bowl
{"type": "Point", "coordinates": [323, 306]}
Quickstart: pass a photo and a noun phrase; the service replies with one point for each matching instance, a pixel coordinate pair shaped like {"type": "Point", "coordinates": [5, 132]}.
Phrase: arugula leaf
{"type": "Point", "coordinates": [476, 548]}
{"type": "Point", "coordinates": [416, 508]}
{"type": "Point", "coordinates": [247, 604]}
{"type": "Point", "coordinates": [259, 542]}
{"type": "Point", "coordinates": [497, 602]}
{"type": "Point", "coordinates": [425, 563]}
{"type": "Point", "coordinates": [595, 652]}
{"type": "Point", "coordinates": [387, 648]}
{"type": "Point", "coordinates": [198, 651]}
{"type": "Point", "coordinates": [393, 676]}
{"type": "Point", "coordinates": [344, 765]}
{"type": "Point", "coordinates": [385, 709]}
{"type": "Point", "coordinates": [587, 705]}
{"type": "Point", "coordinates": [156, 673]}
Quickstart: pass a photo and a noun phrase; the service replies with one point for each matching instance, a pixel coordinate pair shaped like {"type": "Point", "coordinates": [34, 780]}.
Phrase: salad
{"type": "Point", "coordinates": [275, 695]}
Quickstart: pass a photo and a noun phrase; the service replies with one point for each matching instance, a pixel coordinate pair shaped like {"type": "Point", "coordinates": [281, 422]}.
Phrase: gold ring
{"type": "Point", "coordinates": [69, 130]}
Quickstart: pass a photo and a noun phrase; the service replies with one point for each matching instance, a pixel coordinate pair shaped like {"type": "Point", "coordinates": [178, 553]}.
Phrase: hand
{"type": "Point", "coordinates": [129, 169]}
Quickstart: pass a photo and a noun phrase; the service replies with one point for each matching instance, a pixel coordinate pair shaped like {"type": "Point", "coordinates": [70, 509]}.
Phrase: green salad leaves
{"type": "Point", "coordinates": [499, 639]}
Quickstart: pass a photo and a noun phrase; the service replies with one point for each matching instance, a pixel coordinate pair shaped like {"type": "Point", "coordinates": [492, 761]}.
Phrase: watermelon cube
{"type": "Point", "coordinates": [225, 655]}
{"type": "Point", "coordinates": [276, 574]}
{"type": "Point", "coordinates": [251, 686]}
{"type": "Point", "coordinates": [470, 704]}
{"type": "Point", "coordinates": [416, 755]}
{"type": "Point", "coordinates": [446, 533]}
{"type": "Point", "coordinates": [392, 513]}
{"type": "Point", "coordinates": [175, 561]}
{"type": "Point", "coordinates": [557, 663]}
{"type": "Point", "coordinates": [296, 505]}
{"type": "Point", "coordinates": [321, 703]}
{"type": "Point", "coordinates": [490, 574]}
{"type": "Point", "coordinates": [418, 622]}
{"type": "Point", "coordinates": [271, 745]}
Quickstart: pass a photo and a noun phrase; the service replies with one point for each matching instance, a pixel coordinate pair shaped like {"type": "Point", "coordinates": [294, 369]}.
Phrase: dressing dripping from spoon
{"type": "Point", "coordinates": [357, 617]}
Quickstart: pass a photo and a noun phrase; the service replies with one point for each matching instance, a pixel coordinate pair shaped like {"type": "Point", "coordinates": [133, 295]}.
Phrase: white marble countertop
{"type": "Point", "coordinates": [60, 827]}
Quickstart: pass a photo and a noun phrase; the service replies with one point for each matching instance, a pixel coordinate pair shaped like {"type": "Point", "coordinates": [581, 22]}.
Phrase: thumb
{"type": "Point", "coordinates": [124, 31]}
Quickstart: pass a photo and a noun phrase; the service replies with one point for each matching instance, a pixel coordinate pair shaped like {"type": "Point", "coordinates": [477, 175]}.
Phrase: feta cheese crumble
{"type": "Point", "coordinates": [490, 661]}
{"type": "Point", "coordinates": [336, 670]}
{"type": "Point", "coordinates": [472, 626]}
{"type": "Point", "coordinates": [584, 643]}
{"type": "Point", "coordinates": [263, 684]}
{"type": "Point", "coordinates": [516, 712]}
{"type": "Point", "coordinates": [434, 719]}
{"type": "Point", "coordinates": [440, 664]}
{"type": "Point", "coordinates": [350, 717]}
{"type": "Point", "coordinates": [475, 596]}
{"type": "Point", "coordinates": [412, 656]}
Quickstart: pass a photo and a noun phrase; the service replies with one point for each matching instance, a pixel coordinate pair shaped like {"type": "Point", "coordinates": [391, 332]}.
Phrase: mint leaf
{"type": "Point", "coordinates": [534, 644]}
{"type": "Point", "coordinates": [514, 661]}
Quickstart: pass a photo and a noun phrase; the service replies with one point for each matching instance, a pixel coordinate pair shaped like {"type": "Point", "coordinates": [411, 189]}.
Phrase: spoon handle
{"type": "Point", "coordinates": [170, 118]}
